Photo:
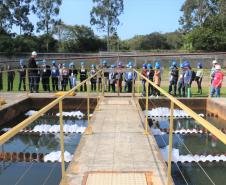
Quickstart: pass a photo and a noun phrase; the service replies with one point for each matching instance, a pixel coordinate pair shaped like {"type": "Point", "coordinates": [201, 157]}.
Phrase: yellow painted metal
{"type": "Point", "coordinates": [146, 120]}
{"type": "Point", "coordinates": [138, 84]}
{"type": "Point", "coordinates": [89, 128]}
{"type": "Point", "coordinates": [169, 179]}
{"type": "Point", "coordinates": [62, 137]}
{"type": "Point", "coordinates": [6, 136]}
{"type": "Point", "coordinates": [215, 131]}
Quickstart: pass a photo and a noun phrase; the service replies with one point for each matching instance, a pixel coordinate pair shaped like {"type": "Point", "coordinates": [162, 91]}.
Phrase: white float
{"type": "Point", "coordinates": [77, 114]}
{"type": "Point", "coordinates": [56, 156]}
{"type": "Point", "coordinates": [176, 157]}
{"type": "Point", "coordinates": [165, 112]}
{"type": "Point", "coordinates": [30, 113]}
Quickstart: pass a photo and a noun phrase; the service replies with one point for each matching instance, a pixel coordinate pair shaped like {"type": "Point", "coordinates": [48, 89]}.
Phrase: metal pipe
{"type": "Point", "coordinates": [61, 138]}
{"type": "Point", "coordinates": [169, 179]}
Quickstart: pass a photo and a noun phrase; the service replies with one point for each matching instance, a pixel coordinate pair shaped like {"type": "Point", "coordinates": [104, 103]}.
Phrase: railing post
{"type": "Point", "coordinates": [27, 81]}
{"type": "Point", "coordinates": [133, 84]}
{"type": "Point", "coordinates": [170, 143]}
{"type": "Point", "coordinates": [61, 138]}
{"type": "Point", "coordinates": [146, 120]}
{"type": "Point", "coordinates": [102, 78]}
{"type": "Point", "coordinates": [89, 127]}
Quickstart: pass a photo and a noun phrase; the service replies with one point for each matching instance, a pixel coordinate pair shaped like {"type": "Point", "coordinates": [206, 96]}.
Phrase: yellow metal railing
{"type": "Point", "coordinates": [212, 129]}
{"type": "Point", "coordinates": [6, 136]}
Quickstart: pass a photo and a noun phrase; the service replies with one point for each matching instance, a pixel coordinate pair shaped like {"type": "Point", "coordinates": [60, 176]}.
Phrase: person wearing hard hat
{"type": "Point", "coordinates": [73, 72]}
{"type": "Point", "coordinates": [174, 73]}
{"type": "Point", "coordinates": [55, 76]}
{"type": "Point", "coordinates": [129, 78]}
{"type": "Point", "coordinates": [181, 86]}
{"type": "Point", "coordinates": [112, 78]}
{"type": "Point", "coordinates": [93, 80]}
{"type": "Point", "coordinates": [150, 76]}
{"type": "Point", "coordinates": [65, 76]}
{"type": "Point", "coordinates": [187, 78]}
{"type": "Point", "coordinates": [217, 81]}
{"type": "Point", "coordinates": [214, 63]}
{"type": "Point", "coordinates": [143, 81]}
{"type": "Point", "coordinates": [45, 73]}
{"type": "Point", "coordinates": [199, 77]}
{"type": "Point", "coordinates": [22, 75]}
{"type": "Point", "coordinates": [99, 78]}
{"type": "Point", "coordinates": [83, 76]}
{"type": "Point", "coordinates": [157, 78]}
{"type": "Point", "coordinates": [33, 72]}
{"type": "Point", "coordinates": [119, 77]}
{"type": "Point", "coordinates": [106, 75]}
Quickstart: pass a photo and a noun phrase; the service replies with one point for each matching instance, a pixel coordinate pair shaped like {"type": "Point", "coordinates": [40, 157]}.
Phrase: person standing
{"type": "Point", "coordinates": [187, 78]}
{"type": "Point", "coordinates": [150, 76]}
{"type": "Point", "coordinates": [65, 77]}
{"type": "Point", "coordinates": [55, 76]}
{"type": "Point", "coordinates": [45, 74]}
{"type": "Point", "coordinates": [22, 75]}
{"type": "Point", "coordinates": [83, 77]}
{"type": "Point", "coordinates": [119, 77]}
{"type": "Point", "coordinates": [174, 73]}
{"type": "Point", "coordinates": [73, 75]}
{"type": "Point", "coordinates": [199, 77]}
{"type": "Point", "coordinates": [129, 78]}
{"type": "Point", "coordinates": [157, 79]}
{"type": "Point", "coordinates": [94, 78]}
{"type": "Point", "coordinates": [144, 73]}
{"type": "Point", "coordinates": [99, 78]}
{"type": "Point", "coordinates": [60, 79]}
{"type": "Point", "coordinates": [112, 78]}
{"type": "Point", "coordinates": [106, 75]}
{"type": "Point", "coordinates": [11, 76]}
{"type": "Point", "coordinates": [33, 72]}
{"type": "Point", "coordinates": [217, 81]}
{"type": "Point", "coordinates": [213, 70]}
{"type": "Point", "coordinates": [181, 86]}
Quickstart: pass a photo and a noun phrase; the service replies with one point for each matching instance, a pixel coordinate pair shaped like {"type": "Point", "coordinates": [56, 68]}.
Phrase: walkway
{"type": "Point", "coordinates": [117, 145]}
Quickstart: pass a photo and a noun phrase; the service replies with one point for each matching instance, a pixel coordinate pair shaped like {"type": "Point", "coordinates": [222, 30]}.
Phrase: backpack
{"type": "Point", "coordinates": [193, 75]}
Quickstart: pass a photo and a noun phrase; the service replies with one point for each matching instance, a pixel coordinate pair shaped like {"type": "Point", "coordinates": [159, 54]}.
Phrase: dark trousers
{"type": "Point", "coordinates": [81, 87]}
{"type": "Point", "coordinates": [150, 88]}
{"type": "Point", "coordinates": [173, 83]}
{"type": "Point", "coordinates": [112, 87]}
{"type": "Point", "coordinates": [22, 80]}
{"type": "Point", "coordinates": [181, 87]}
{"type": "Point", "coordinates": [10, 84]}
{"type": "Point", "coordinates": [99, 83]}
{"type": "Point", "coordinates": [93, 86]}
{"type": "Point", "coordinates": [199, 84]}
{"type": "Point", "coordinates": [64, 83]}
{"type": "Point", "coordinates": [45, 83]}
{"type": "Point", "coordinates": [33, 83]}
{"type": "Point", "coordinates": [129, 84]}
{"type": "Point", "coordinates": [119, 85]}
{"type": "Point", "coordinates": [55, 83]}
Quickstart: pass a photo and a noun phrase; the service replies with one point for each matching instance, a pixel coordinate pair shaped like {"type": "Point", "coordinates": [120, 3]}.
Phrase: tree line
{"type": "Point", "coordinates": [203, 27]}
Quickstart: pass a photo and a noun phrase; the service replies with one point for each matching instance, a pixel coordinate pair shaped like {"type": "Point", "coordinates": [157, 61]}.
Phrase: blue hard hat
{"type": "Point", "coordinates": [157, 65]}
{"type": "Point", "coordinates": [149, 66]}
{"type": "Point", "coordinates": [186, 63]}
{"type": "Point", "coordinates": [181, 65]}
{"type": "Point", "coordinates": [82, 63]}
{"type": "Point", "coordinates": [93, 65]}
{"type": "Point", "coordinates": [174, 63]}
{"type": "Point", "coordinates": [21, 61]}
{"type": "Point", "coordinates": [112, 66]}
{"type": "Point", "coordinates": [120, 64]}
{"type": "Point", "coordinates": [130, 63]}
{"type": "Point", "coordinates": [44, 61]}
{"type": "Point", "coordinates": [199, 65]}
{"type": "Point", "coordinates": [53, 62]}
{"type": "Point", "coordinates": [104, 62]}
{"type": "Point", "coordinates": [144, 66]}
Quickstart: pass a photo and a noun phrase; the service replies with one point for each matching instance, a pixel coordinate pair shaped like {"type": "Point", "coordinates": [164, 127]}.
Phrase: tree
{"type": "Point", "coordinates": [105, 14]}
{"type": "Point", "coordinates": [6, 19]}
{"type": "Point", "coordinates": [47, 11]}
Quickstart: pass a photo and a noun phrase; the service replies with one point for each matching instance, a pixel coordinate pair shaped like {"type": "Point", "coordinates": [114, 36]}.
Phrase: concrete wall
{"type": "Point", "coordinates": [217, 107]}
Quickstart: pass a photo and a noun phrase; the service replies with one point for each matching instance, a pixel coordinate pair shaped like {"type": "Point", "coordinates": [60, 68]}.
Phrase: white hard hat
{"type": "Point", "coordinates": [34, 53]}
{"type": "Point", "coordinates": [217, 67]}
{"type": "Point", "coordinates": [215, 62]}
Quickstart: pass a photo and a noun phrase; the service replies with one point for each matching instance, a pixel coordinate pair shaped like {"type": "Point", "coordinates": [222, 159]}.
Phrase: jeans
{"type": "Point", "coordinates": [215, 90]}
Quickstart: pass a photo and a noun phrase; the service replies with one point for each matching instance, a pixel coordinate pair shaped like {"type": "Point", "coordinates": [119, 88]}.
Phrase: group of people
{"type": "Point", "coordinates": [181, 78]}
{"type": "Point", "coordinates": [111, 79]}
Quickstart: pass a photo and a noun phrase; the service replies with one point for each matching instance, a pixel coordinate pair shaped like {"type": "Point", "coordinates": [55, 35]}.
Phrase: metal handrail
{"type": "Point", "coordinates": [212, 129]}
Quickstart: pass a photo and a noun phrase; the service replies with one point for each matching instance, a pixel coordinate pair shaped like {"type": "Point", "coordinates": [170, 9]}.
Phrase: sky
{"type": "Point", "coordinates": [139, 17]}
